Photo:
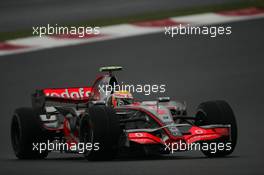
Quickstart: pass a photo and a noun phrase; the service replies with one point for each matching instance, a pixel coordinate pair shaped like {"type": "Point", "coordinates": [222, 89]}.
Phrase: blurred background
{"type": "Point", "coordinates": [17, 14]}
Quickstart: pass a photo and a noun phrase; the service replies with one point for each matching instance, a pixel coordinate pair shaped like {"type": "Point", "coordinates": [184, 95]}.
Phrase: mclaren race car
{"type": "Point", "coordinates": [101, 125]}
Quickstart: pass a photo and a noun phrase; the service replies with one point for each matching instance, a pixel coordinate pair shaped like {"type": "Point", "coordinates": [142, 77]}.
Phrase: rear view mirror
{"type": "Point", "coordinates": [164, 99]}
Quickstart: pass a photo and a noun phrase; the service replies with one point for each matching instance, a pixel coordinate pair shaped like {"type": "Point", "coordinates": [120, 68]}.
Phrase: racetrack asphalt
{"type": "Point", "coordinates": [194, 69]}
{"type": "Point", "coordinates": [41, 12]}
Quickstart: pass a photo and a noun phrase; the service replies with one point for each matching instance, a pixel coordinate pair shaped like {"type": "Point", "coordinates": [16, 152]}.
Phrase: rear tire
{"type": "Point", "coordinates": [26, 130]}
{"type": "Point", "coordinates": [100, 125]}
{"type": "Point", "coordinates": [217, 112]}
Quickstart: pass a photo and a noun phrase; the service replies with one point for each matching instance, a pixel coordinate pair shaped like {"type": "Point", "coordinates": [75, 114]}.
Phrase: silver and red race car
{"type": "Point", "coordinates": [101, 125]}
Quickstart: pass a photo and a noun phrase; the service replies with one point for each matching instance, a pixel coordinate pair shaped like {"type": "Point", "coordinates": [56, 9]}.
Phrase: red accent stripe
{"type": "Point", "coordinates": [77, 36]}
{"type": "Point", "coordinates": [144, 138]}
{"type": "Point", "coordinates": [157, 23]}
{"type": "Point", "coordinates": [6, 46]}
{"type": "Point", "coordinates": [243, 12]}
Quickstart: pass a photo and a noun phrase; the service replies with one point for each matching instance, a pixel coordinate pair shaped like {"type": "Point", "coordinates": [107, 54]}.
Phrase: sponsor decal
{"type": "Point", "coordinates": [69, 93]}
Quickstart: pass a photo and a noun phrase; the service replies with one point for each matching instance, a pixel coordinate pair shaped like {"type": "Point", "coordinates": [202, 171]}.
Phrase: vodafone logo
{"type": "Point", "coordinates": [199, 131]}
{"type": "Point", "coordinates": [70, 93]}
{"type": "Point", "coordinates": [139, 135]}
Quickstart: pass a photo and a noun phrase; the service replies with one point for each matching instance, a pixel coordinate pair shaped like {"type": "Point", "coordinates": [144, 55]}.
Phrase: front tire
{"type": "Point", "coordinates": [26, 130]}
{"type": "Point", "coordinates": [100, 125]}
{"type": "Point", "coordinates": [217, 112]}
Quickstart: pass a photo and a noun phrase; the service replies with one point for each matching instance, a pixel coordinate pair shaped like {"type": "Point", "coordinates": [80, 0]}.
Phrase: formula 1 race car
{"type": "Point", "coordinates": [103, 124]}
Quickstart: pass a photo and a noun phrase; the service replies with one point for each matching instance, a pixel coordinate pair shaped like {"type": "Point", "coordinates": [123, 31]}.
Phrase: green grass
{"type": "Point", "coordinates": [146, 16]}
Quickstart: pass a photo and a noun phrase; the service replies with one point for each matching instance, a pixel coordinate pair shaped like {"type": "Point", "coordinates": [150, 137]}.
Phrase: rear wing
{"type": "Point", "coordinates": [80, 93]}
{"type": "Point", "coordinates": [63, 95]}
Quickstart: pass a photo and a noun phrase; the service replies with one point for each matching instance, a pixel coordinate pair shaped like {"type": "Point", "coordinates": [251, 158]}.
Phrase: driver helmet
{"type": "Point", "coordinates": [119, 98]}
